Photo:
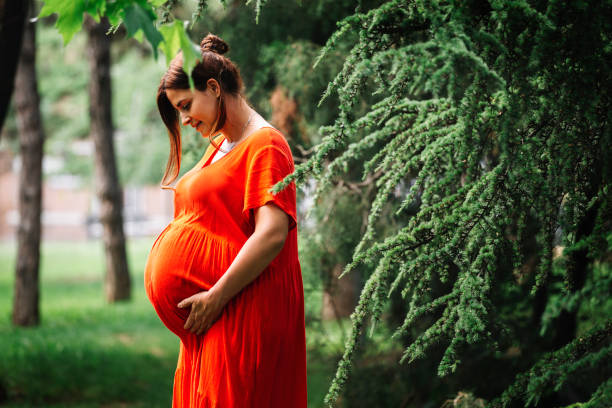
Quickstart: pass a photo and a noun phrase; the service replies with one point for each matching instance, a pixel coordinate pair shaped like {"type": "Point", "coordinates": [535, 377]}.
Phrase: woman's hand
{"type": "Point", "coordinates": [271, 228]}
{"type": "Point", "coordinates": [206, 307]}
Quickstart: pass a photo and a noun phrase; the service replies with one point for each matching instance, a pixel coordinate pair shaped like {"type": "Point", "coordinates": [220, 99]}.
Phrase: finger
{"type": "Point", "coordinates": [195, 327]}
{"type": "Point", "coordinates": [204, 324]}
{"type": "Point", "coordinates": [189, 321]}
{"type": "Point", "coordinates": [203, 329]}
{"type": "Point", "coordinates": [199, 324]}
{"type": "Point", "coordinates": [185, 302]}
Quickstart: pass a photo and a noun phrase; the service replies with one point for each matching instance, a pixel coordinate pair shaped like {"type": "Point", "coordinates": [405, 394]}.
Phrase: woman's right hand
{"type": "Point", "coordinates": [206, 307]}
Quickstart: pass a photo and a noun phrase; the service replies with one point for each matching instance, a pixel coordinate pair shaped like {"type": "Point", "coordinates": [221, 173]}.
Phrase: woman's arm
{"type": "Point", "coordinates": [271, 228]}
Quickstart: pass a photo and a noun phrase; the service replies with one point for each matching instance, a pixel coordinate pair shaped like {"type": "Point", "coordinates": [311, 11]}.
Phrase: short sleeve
{"type": "Point", "coordinates": [268, 166]}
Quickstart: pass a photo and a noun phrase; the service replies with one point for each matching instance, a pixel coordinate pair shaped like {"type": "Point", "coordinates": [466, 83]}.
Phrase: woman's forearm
{"type": "Point", "coordinates": [271, 228]}
{"type": "Point", "coordinates": [254, 256]}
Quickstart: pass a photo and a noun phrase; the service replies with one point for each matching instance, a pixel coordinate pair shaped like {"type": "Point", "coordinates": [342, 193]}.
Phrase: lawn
{"type": "Point", "coordinates": [87, 353]}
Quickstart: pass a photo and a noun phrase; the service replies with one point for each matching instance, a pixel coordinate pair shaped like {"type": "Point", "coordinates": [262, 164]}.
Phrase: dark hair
{"type": "Point", "coordinates": [212, 64]}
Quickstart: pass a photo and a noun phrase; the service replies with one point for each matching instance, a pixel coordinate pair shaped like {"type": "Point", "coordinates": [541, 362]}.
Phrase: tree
{"type": "Point", "coordinates": [31, 139]}
{"type": "Point", "coordinates": [493, 119]}
{"type": "Point", "coordinates": [117, 278]}
{"type": "Point", "coordinates": [12, 19]}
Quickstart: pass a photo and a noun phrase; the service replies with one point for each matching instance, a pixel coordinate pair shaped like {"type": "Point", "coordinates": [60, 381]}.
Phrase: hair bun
{"type": "Point", "coordinates": [214, 44]}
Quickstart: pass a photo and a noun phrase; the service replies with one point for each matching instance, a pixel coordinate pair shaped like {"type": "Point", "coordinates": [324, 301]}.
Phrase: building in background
{"type": "Point", "coordinates": [70, 210]}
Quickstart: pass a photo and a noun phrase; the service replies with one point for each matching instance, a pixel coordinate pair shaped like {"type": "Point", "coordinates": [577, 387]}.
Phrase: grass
{"type": "Point", "coordinates": [87, 353]}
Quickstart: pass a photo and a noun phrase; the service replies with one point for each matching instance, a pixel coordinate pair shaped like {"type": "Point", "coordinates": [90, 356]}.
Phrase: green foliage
{"type": "Point", "coordinates": [136, 14]}
{"type": "Point", "coordinates": [70, 14]}
{"type": "Point", "coordinates": [555, 368]}
{"type": "Point", "coordinates": [495, 117]}
{"type": "Point", "coordinates": [139, 18]}
{"type": "Point", "coordinates": [602, 396]}
{"type": "Point", "coordinates": [591, 303]}
{"type": "Point", "coordinates": [176, 39]}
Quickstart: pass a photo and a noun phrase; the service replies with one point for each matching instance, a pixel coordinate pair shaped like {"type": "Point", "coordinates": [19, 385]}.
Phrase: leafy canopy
{"type": "Point", "coordinates": [139, 18]}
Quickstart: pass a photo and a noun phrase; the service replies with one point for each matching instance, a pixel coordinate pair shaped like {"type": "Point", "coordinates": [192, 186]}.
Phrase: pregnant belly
{"type": "Point", "coordinates": [184, 260]}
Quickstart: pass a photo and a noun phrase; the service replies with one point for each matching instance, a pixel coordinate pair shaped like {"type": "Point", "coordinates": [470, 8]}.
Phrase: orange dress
{"type": "Point", "coordinates": [254, 355]}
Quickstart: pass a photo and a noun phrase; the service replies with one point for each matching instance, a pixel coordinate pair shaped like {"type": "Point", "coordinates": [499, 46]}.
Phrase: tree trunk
{"type": "Point", "coordinates": [341, 295]}
{"type": "Point", "coordinates": [31, 139]}
{"type": "Point", "coordinates": [12, 18]}
{"type": "Point", "coordinates": [578, 266]}
{"type": "Point", "coordinates": [117, 279]}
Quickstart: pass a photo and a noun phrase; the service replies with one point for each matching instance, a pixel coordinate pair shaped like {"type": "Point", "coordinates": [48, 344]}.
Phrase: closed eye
{"type": "Point", "coordinates": [184, 106]}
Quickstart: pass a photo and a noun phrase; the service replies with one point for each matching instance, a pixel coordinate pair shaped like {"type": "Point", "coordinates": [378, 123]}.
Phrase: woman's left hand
{"type": "Point", "coordinates": [205, 309]}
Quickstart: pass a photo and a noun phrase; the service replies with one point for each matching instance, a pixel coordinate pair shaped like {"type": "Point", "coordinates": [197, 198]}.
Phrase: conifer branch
{"type": "Point", "coordinates": [473, 137]}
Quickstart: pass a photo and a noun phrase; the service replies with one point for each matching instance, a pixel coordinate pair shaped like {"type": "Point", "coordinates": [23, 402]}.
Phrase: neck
{"type": "Point", "coordinates": [238, 114]}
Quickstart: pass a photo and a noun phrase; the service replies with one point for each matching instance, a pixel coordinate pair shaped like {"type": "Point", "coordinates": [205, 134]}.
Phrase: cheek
{"type": "Point", "coordinates": [212, 112]}
{"type": "Point", "coordinates": [205, 113]}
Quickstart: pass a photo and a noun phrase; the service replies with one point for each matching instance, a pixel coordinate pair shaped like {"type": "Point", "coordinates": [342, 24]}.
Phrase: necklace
{"type": "Point", "coordinates": [243, 129]}
{"type": "Point", "coordinates": [232, 144]}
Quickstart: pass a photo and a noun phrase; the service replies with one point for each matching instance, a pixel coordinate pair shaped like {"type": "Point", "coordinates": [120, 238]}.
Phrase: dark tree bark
{"type": "Point", "coordinates": [12, 18]}
{"type": "Point", "coordinates": [340, 296]}
{"type": "Point", "coordinates": [578, 266]}
{"type": "Point", "coordinates": [117, 279]}
{"type": "Point", "coordinates": [31, 139]}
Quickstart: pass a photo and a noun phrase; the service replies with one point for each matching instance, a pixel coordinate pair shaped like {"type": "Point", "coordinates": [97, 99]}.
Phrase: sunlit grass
{"type": "Point", "coordinates": [85, 352]}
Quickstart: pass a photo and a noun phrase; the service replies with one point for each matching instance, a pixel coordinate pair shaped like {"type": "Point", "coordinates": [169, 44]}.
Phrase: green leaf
{"type": "Point", "coordinates": [70, 16]}
{"type": "Point", "coordinates": [96, 8]}
{"type": "Point", "coordinates": [139, 36]}
{"type": "Point", "coordinates": [171, 43]}
{"type": "Point", "coordinates": [115, 11]}
{"type": "Point", "coordinates": [175, 40]}
{"type": "Point", "coordinates": [138, 18]}
{"type": "Point", "coordinates": [157, 3]}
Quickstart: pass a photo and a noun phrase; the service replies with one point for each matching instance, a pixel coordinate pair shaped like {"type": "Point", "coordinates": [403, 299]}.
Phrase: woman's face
{"type": "Point", "coordinates": [196, 108]}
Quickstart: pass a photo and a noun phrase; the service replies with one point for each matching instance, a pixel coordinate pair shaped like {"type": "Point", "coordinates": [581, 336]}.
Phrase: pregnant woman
{"type": "Point", "coordinates": [224, 275]}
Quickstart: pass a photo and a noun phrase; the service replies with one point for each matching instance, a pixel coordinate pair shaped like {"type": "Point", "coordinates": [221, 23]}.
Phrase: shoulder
{"type": "Point", "coordinates": [268, 137]}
